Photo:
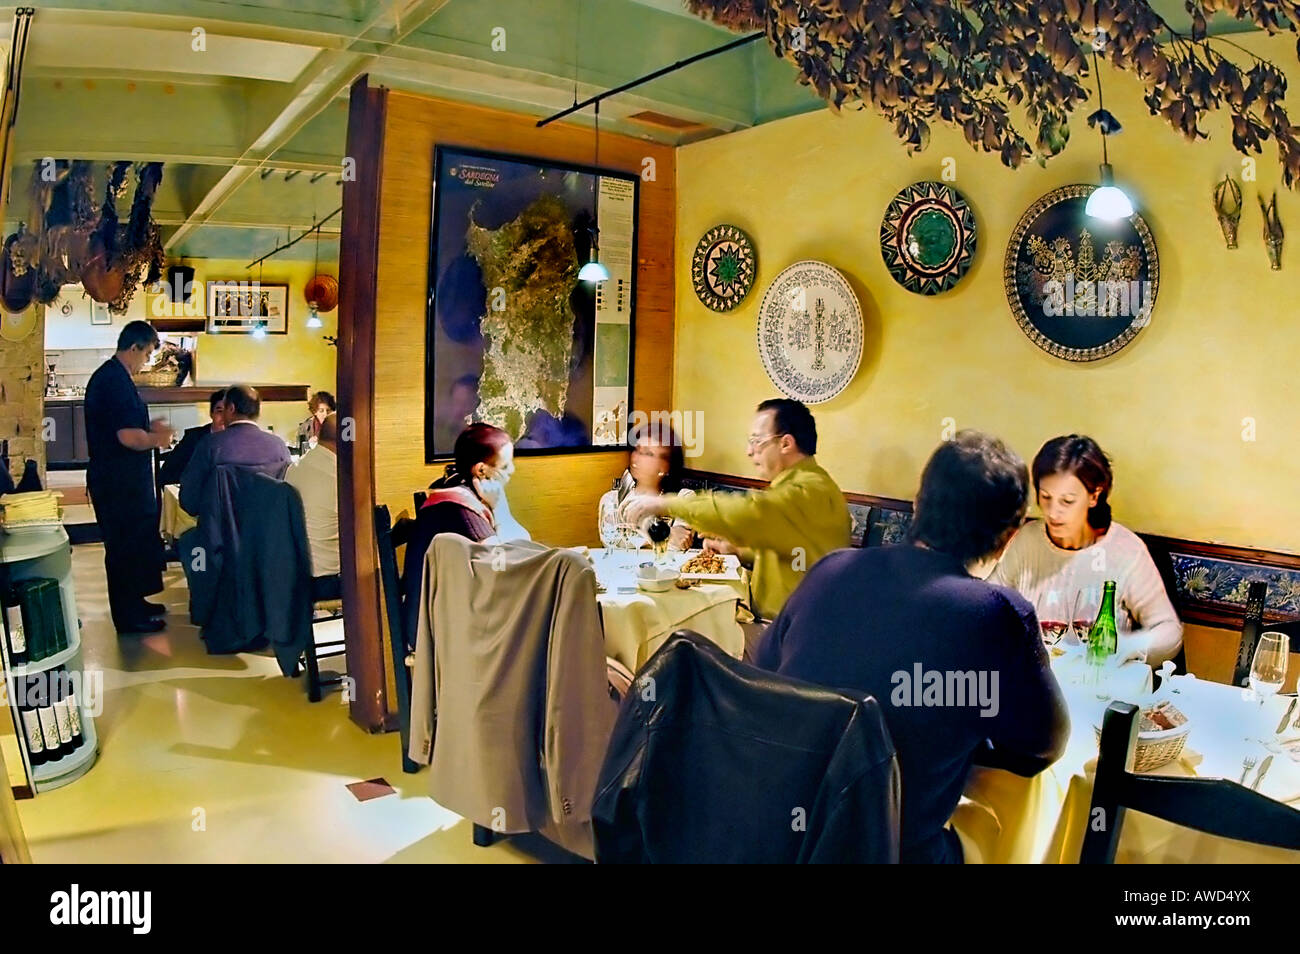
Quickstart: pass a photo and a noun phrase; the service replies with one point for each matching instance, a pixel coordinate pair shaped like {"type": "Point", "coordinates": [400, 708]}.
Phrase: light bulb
{"type": "Point", "coordinates": [593, 271]}
{"type": "Point", "coordinates": [313, 319]}
{"type": "Point", "coordinates": [259, 331]}
{"type": "Point", "coordinates": [1108, 202]}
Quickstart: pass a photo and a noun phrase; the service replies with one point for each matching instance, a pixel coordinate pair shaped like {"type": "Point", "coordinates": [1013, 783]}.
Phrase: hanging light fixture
{"type": "Point", "coordinates": [1107, 202]}
{"type": "Point", "coordinates": [313, 316]}
{"type": "Point", "coordinates": [594, 270]}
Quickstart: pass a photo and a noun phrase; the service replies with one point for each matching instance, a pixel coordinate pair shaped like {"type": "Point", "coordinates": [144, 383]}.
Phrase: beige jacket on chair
{"type": "Point", "coordinates": [511, 648]}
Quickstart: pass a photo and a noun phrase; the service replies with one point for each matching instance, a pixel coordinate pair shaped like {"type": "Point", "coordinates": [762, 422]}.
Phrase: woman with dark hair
{"type": "Point", "coordinates": [322, 405]}
{"type": "Point", "coordinates": [654, 469]}
{"type": "Point", "coordinates": [1060, 562]}
{"type": "Point", "coordinates": [468, 499]}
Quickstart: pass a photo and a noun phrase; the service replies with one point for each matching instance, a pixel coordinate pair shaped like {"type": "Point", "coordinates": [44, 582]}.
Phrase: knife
{"type": "Point", "coordinates": [1286, 718]}
{"type": "Point", "coordinates": [1268, 762]}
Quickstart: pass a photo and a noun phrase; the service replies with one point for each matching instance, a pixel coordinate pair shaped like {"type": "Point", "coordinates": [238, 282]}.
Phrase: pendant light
{"type": "Point", "coordinates": [313, 316]}
{"type": "Point", "coordinates": [1107, 202]}
{"type": "Point", "coordinates": [594, 270]}
{"type": "Point", "coordinates": [259, 329]}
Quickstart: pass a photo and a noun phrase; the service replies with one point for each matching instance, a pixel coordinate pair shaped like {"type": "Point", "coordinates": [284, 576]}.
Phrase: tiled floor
{"type": "Point", "coordinates": [221, 759]}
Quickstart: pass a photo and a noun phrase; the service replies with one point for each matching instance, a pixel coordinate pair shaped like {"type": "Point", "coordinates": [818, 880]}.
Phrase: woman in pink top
{"type": "Point", "coordinates": [1059, 562]}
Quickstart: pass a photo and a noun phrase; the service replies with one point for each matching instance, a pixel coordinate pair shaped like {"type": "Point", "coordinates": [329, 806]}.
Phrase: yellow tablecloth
{"type": "Point", "coordinates": [637, 623]}
{"type": "Point", "coordinates": [1006, 818]}
{"type": "Point", "coordinates": [173, 521]}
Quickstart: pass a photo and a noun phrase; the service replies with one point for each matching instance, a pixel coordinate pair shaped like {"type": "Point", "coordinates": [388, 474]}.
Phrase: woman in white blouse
{"type": "Point", "coordinates": [654, 469]}
{"type": "Point", "coordinates": [1059, 562]}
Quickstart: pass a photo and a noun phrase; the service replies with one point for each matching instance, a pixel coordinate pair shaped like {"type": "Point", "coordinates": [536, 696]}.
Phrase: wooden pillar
{"type": "Point", "coordinates": [358, 267]}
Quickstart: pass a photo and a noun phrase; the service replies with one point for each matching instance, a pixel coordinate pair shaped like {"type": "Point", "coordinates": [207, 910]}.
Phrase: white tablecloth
{"type": "Point", "coordinates": [637, 623]}
{"type": "Point", "coordinates": [1006, 818]}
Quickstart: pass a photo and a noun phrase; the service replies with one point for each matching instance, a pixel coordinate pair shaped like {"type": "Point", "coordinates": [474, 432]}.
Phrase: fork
{"type": "Point", "coordinates": [1247, 764]}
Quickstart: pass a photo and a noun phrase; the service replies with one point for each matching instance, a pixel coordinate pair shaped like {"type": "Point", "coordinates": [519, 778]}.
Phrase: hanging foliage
{"type": "Point", "coordinates": [967, 63]}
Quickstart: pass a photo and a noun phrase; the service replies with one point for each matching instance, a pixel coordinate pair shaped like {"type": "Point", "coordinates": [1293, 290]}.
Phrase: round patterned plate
{"type": "Point", "coordinates": [928, 237]}
{"type": "Point", "coordinates": [810, 332]}
{"type": "Point", "coordinates": [1080, 288]}
{"type": "Point", "coordinates": [723, 267]}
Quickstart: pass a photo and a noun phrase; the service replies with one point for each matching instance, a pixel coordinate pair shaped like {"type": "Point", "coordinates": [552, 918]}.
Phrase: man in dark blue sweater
{"type": "Point", "coordinates": [957, 664]}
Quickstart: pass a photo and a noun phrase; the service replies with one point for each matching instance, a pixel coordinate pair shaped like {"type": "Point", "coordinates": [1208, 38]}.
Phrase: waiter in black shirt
{"type": "Point", "coordinates": [120, 481]}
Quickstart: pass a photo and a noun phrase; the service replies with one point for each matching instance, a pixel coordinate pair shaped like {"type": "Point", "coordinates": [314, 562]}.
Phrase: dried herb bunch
{"type": "Point", "coordinates": [968, 62]}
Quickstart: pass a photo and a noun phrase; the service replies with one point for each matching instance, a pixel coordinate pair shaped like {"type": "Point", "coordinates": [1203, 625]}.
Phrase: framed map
{"type": "Point", "coordinates": [513, 337]}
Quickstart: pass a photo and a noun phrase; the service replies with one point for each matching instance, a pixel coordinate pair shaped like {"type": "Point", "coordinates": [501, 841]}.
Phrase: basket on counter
{"type": "Point", "coordinates": [157, 379]}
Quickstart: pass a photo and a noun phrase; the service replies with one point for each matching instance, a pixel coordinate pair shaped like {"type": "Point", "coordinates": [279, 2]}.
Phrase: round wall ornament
{"type": "Point", "coordinates": [723, 267]}
{"type": "Point", "coordinates": [1081, 288]}
{"type": "Point", "coordinates": [927, 237]}
{"type": "Point", "coordinates": [810, 332]}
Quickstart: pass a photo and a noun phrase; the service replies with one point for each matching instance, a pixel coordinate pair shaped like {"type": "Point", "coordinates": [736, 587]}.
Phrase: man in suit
{"type": "Point", "coordinates": [119, 478]}
{"type": "Point", "coordinates": [175, 462]}
{"type": "Point", "coordinates": [241, 444]}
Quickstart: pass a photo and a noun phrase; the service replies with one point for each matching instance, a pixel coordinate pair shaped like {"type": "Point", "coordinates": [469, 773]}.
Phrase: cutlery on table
{"type": "Point", "coordinates": [1247, 764]}
{"type": "Point", "coordinates": [1267, 764]}
{"type": "Point", "coordinates": [1286, 717]}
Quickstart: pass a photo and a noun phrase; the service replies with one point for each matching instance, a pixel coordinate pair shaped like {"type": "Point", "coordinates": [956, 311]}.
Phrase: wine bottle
{"type": "Point", "coordinates": [15, 635]}
{"type": "Point", "coordinates": [45, 712]}
{"type": "Point", "coordinates": [74, 712]}
{"type": "Point", "coordinates": [31, 721]}
{"type": "Point", "coordinates": [62, 718]}
{"type": "Point", "coordinates": [31, 479]}
{"type": "Point", "coordinates": [1103, 638]}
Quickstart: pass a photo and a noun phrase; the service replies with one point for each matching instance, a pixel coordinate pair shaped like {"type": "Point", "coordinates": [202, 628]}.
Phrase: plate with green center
{"type": "Point", "coordinates": [723, 267]}
{"type": "Point", "coordinates": [927, 237]}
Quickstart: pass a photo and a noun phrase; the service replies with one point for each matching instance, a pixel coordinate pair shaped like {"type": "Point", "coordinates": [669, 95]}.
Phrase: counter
{"type": "Point", "coordinates": [199, 394]}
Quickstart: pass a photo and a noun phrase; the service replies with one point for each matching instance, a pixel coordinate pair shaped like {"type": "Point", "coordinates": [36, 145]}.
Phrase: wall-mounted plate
{"type": "Point", "coordinates": [927, 237]}
{"type": "Point", "coordinates": [810, 332]}
{"type": "Point", "coordinates": [723, 267]}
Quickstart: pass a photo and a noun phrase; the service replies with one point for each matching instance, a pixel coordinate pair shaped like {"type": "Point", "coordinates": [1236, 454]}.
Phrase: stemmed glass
{"type": "Point", "coordinates": [1268, 672]}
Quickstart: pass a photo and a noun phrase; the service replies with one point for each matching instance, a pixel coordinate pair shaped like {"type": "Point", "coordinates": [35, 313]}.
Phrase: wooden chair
{"type": "Point", "coordinates": [318, 650]}
{"type": "Point", "coordinates": [389, 540]}
{"type": "Point", "coordinates": [1216, 806]}
{"type": "Point", "coordinates": [1253, 626]}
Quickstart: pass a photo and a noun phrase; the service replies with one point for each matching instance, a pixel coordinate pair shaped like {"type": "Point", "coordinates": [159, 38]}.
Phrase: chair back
{"type": "Point", "coordinates": [695, 732]}
{"type": "Point", "coordinates": [390, 588]}
{"type": "Point", "coordinates": [1216, 806]}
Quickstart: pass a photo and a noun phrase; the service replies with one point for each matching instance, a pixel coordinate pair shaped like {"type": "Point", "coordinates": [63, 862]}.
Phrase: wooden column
{"type": "Point", "coordinates": [358, 267]}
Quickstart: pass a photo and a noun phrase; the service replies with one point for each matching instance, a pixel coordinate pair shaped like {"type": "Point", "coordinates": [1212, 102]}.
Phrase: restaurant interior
{"type": "Point", "coordinates": [952, 234]}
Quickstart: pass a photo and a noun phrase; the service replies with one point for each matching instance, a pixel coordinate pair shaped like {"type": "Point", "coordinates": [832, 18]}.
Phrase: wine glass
{"type": "Point", "coordinates": [610, 534]}
{"type": "Point", "coordinates": [1268, 668]}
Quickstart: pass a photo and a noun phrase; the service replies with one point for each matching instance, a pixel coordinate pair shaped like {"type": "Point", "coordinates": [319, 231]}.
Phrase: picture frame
{"type": "Point", "coordinates": [482, 199]}
{"type": "Point", "coordinates": [238, 307]}
{"type": "Point", "coordinates": [99, 313]}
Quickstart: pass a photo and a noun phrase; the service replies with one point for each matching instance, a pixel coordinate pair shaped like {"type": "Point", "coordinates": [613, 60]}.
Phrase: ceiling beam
{"type": "Point", "coordinates": [331, 72]}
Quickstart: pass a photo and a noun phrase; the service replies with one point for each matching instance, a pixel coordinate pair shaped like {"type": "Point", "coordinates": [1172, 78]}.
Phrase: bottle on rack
{"type": "Point", "coordinates": [31, 721]}
{"type": "Point", "coordinates": [15, 635]}
{"type": "Point", "coordinates": [38, 693]}
{"type": "Point", "coordinates": [74, 711]}
{"type": "Point", "coordinates": [62, 706]}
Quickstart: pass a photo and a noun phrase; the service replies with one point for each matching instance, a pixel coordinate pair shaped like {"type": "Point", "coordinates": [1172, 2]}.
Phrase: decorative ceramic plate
{"type": "Point", "coordinates": [928, 237]}
{"type": "Point", "coordinates": [810, 332]}
{"type": "Point", "coordinates": [723, 267]}
{"type": "Point", "coordinates": [1080, 288]}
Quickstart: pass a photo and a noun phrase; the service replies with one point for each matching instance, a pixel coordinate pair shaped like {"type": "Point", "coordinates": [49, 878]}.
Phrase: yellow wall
{"type": "Point", "coordinates": [1222, 345]}
{"type": "Point", "coordinates": [300, 357]}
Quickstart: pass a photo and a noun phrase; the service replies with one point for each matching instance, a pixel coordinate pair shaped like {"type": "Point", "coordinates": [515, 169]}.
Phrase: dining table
{"type": "Point", "coordinates": [172, 518]}
{"type": "Point", "coordinates": [1005, 818]}
{"type": "Point", "coordinates": [638, 621]}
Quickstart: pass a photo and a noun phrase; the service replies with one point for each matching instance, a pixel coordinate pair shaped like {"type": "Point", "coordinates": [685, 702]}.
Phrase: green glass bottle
{"type": "Point", "coordinates": [1103, 638]}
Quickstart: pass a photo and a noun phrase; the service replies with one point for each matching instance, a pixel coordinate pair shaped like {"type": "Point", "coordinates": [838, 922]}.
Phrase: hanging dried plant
{"type": "Point", "coordinates": [967, 62]}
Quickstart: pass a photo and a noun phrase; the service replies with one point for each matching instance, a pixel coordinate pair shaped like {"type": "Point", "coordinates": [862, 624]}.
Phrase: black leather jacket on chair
{"type": "Point", "coordinates": [713, 760]}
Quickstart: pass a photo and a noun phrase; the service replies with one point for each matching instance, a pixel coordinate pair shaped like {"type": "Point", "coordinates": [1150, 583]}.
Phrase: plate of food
{"type": "Point", "coordinates": [712, 567]}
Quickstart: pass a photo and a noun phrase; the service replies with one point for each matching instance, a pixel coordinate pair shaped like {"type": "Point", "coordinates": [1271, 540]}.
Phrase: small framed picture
{"type": "Point", "coordinates": [242, 308]}
{"type": "Point", "coordinates": [99, 313]}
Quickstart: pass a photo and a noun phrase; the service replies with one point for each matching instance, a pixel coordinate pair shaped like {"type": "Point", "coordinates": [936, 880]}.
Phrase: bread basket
{"type": "Point", "coordinates": [157, 379]}
{"type": "Point", "coordinates": [1157, 747]}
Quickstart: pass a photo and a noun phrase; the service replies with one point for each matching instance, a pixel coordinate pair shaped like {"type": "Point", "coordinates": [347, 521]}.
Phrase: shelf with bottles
{"type": "Point", "coordinates": [57, 731]}
{"type": "Point", "coordinates": [48, 695]}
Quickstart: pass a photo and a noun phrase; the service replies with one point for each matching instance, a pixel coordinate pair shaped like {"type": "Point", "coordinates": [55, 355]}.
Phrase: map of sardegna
{"type": "Point", "coordinates": [516, 339]}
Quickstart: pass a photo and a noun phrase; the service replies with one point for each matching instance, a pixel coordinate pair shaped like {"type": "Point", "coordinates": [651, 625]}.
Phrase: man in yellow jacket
{"type": "Point", "coordinates": [783, 530]}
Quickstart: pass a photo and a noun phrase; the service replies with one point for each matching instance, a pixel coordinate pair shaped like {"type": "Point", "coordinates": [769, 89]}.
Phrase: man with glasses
{"type": "Point", "coordinates": [781, 531]}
